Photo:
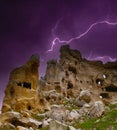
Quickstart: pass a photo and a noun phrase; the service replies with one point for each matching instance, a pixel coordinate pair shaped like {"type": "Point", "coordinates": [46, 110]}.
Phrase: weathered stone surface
{"type": "Point", "coordinates": [55, 125]}
{"type": "Point", "coordinates": [54, 71]}
{"type": "Point", "coordinates": [9, 116]}
{"type": "Point", "coordinates": [85, 95]}
{"type": "Point", "coordinates": [21, 128]}
{"type": "Point", "coordinates": [57, 113]}
{"type": "Point", "coordinates": [16, 119]}
{"type": "Point", "coordinates": [72, 115]}
{"type": "Point", "coordinates": [75, 74]}
{"type": "Point", "coordinates": [97, 109]}
{"type": "Point", "coordinates": [80, 103]}
{"type": "Point", "coordinates": [21, 91]}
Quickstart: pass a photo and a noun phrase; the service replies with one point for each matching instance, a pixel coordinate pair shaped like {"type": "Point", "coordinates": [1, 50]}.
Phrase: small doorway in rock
{"type": "Point", "coordinates": [29, 107]}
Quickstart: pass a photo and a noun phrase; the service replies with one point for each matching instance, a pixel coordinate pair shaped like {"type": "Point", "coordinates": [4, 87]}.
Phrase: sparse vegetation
{"type": "Point", "coordinates": [6, 128]}
{"type": "Point", "coordinates": [108, 120]}
{"type": "Point", "coordinates": [39, 118]}
{"type": "Point", "coordinates": [45, 128]}
{"type": "Point", "coordinates": [70, 105]}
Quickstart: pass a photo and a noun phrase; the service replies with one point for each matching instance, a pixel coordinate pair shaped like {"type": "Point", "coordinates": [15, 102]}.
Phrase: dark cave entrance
{"type": "Point", "coordinates": [24, 84]}
{"type": "Point", "coordinates": [104, 95]}
{"type": "Point", "coordinates": [99, 82]}
{"type": "Point", "coordinates": [72, 69]}
{"type": "Point", "coordinates": [29, 107]}
{"type": "Point", "coordinates": [70, 85]}
{"type": "Point", "coordinates": [27, 85]}
{"type": "Point", "coordinates": [111, 88]}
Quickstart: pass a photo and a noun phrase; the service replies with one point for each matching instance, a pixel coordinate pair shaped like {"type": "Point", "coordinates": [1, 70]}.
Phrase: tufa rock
{"type": "Point", "coordinates": [21, 93]}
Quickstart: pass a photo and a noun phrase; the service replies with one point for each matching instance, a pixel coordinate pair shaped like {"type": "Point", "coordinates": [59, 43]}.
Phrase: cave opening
{"type": "Point", "coordinates": [24, 84]}
{"type": "Point", "coordinates": [99, 82]}
{"type": "Point", "coordinates": [104, 95]}
{"type": "Point", "coordinates": [70, 85]}
{"type": "Point", "coordinates": [29, 107]}
{"type": "Point", "coordinates": [111, 88]}
{"type": "Point", "coordinates": [27, 85]}
{"type": "Point", "coordinates": [72, 69]}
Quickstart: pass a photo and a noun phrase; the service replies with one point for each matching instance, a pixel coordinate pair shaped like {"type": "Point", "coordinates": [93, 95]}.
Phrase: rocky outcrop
{"type": "Point", "coordinates": [22, 90]}
{"type": "Point", "coordinates": [17, 119]}
{"type": "Point", "coordinates": [74, 74]}
{"type": "Point", "coordinates": [97, 109]}
{"type": "Point", "coordinates": [72, 91]}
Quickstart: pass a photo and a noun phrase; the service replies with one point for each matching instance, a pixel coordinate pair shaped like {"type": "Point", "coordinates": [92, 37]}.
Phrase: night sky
{"type": "Point", "coordinates": [30, 26]}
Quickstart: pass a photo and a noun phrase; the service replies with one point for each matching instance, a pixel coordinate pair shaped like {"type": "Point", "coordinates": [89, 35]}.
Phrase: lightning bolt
{"type": "Point", "coordinates": [58, 40]}
{"type": "Point", "coordinates": [104, 59]}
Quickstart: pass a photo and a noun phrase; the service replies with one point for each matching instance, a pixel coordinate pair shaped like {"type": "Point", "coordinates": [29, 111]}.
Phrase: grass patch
{"type": "Point", "coordinates": [109, 119]}
{"type": "Point", "coordinates": [39, 118]}
{"type": "Point", "coordinates": [6, 128]}
{"type": "Point", "coordinates": [70, 105]}
{"type": "Point", "coordinates": [45, 128]}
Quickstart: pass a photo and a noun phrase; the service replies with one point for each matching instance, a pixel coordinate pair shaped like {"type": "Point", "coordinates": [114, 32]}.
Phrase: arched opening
{"type": "Point", "coordinates": [29, 107]}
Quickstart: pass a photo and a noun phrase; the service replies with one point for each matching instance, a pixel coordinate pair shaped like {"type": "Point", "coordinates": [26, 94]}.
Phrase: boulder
{"type": "Point", "coordinates": [97, 109]}
{"type": "Point", "coordinates": [17, 119]}
{"type": "Point", "coordinates": [6, 117]}
{"type": "Point", "coordinates": [57, 113]}
{"type": "Point", "coordinates": [79, 102]}
{"type": "Point", "coordinates": [85, 95]}
{"type": "Point", "coordinates": [72, 115]}
{"type": "Point", "coordinates": [55, 125]}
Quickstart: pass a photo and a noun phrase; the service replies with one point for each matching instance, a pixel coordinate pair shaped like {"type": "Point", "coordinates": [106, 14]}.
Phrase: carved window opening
{"type": "Point", "coordinates": [72, 69]}
{"type": "Point", "coordinates": [19, 84]}
{"type": "Point", "coordinates": [70, 85]}
{"type": "Point", "coordinates": [99, 82]}
{"type": "Point", "coordinates": [111, 88]}
{"type": "Point", "coordinates": [80, 81]}
{"type": "Point", "coordinates": [76, 62]}
{"type": "Point", "coordinates": [25, 85]}
{"type": "Point", "coordinates": [104, 95]}
{"type": "Point", "coordinates": [29, 107]}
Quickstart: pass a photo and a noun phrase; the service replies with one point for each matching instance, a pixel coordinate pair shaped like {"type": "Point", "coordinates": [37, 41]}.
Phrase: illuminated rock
{"type": "Point", "coordinates": [22, 90]}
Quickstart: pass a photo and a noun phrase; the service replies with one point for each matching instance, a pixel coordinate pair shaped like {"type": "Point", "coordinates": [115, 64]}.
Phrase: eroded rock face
{"type": "Point", "coordinates": [21, 91]}
{"type": "Point", "coordinates": [80, 74]}
{"type": "Point", "coordinates": [17, 119]}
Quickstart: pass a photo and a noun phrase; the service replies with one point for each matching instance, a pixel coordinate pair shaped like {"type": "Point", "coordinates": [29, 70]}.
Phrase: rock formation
{"type": "Point", "coordinates": [72, 91]}
{"type": "Point", "coordinates": [73, 74]}
{"type": "Point", "coordinates": [22, 90]}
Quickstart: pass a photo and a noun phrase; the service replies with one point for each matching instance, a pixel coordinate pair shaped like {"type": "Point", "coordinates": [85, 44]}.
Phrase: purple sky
{"type": "Point", "coordinates": [26, 28]}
